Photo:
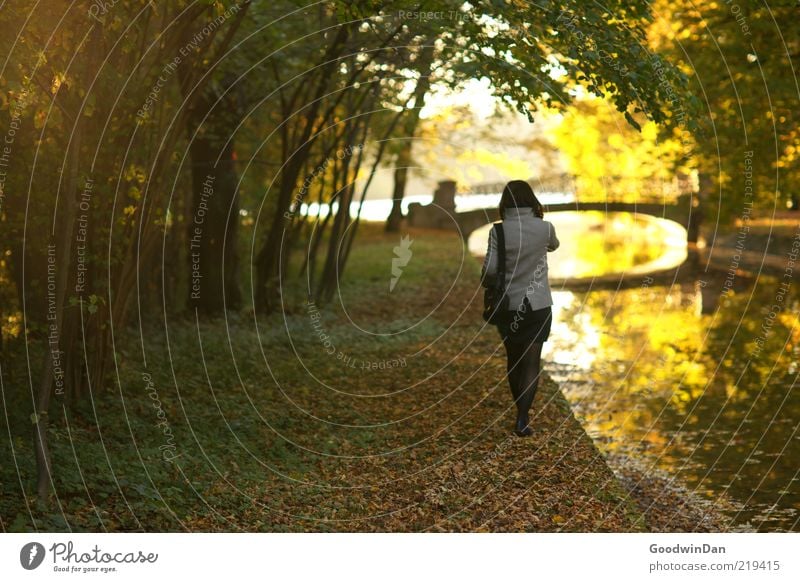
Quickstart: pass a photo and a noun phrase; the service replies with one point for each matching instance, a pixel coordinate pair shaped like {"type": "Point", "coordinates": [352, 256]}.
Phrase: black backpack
{"type": "Point", "coordinates": [495, 300]}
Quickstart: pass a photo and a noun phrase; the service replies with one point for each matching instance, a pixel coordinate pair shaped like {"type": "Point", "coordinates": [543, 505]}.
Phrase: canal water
{"type": "Point", "coordinates": [696, 379]}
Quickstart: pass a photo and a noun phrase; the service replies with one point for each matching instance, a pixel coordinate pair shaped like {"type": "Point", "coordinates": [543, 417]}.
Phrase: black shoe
{"type": "Point", "coordinates": [522, 429]}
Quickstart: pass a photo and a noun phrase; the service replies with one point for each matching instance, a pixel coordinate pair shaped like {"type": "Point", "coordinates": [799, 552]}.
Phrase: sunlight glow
{"type": "Point", "coordinates": [476, 94]}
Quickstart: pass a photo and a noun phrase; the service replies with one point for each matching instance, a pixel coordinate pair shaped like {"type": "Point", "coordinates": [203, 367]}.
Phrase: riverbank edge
{"type": "Point", "coordinates": [654, 498]}
{"type": "Point", "coordinates": [669, 506]}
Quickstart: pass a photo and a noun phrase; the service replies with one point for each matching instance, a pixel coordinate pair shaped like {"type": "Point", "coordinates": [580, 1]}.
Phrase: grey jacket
{"type": "Point", "coordinates": [528, 240]}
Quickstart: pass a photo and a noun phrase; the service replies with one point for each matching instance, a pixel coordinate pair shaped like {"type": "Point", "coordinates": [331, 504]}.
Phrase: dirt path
{"type": "Point", "coordinates": [447, 460]}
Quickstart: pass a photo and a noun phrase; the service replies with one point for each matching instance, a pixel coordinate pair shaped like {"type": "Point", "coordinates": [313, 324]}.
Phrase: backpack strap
{"type": "Point", "coordinates": [501, 256]}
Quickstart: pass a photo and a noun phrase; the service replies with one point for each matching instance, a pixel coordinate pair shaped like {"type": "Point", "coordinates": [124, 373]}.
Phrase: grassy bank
{"type": "Point", "coordinates": [385, 411]}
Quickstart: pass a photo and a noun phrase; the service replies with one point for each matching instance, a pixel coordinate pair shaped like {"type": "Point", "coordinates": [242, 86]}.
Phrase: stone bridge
{"type": "Point", "coordinates": [441, 212]}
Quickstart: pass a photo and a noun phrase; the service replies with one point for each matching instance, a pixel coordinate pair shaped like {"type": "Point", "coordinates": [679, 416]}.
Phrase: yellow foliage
{"type": "Point", "coordinates": [502, 163]}
{"type": "Point", "coordinates": [610, 159]}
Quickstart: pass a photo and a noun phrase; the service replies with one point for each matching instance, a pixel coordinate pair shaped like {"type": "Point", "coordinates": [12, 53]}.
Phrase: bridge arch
{"type": "Point", "coordinates": [442, 213]}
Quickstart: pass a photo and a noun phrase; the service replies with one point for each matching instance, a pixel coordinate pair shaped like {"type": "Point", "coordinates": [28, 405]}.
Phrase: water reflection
{"type": "Point", "coordinates": [689, 392]}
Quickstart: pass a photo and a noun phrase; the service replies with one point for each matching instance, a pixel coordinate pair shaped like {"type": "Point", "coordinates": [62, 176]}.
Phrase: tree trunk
{"type": "Point", "coordinates": [213, 227]}
{"type": "Point", "coordinates": [705, 186]}
{"type": "Point", "coordinates": [58, 276]}
{"type": "Point", "coordinates": [266, 288]}
{"type": "Point", "coordinates": [425, 67]}
{"type": "Point", "coordinates": [400, 180]}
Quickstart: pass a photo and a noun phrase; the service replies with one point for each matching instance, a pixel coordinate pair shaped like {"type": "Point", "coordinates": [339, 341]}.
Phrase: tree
{"type": "Point", "coordinates": [739, 60]}
{"type": "Point", "coordinates": [106, 132]}
{"type": "Point", "coordinates": [213, 220]}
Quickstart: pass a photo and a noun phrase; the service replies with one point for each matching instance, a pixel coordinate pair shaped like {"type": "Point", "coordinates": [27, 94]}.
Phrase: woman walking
{"type": "Point", "coordinates": [525, 325]}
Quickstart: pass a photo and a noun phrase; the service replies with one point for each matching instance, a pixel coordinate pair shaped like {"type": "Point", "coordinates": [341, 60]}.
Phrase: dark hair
{"type": "Point", "coordinates": [519, 194]}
